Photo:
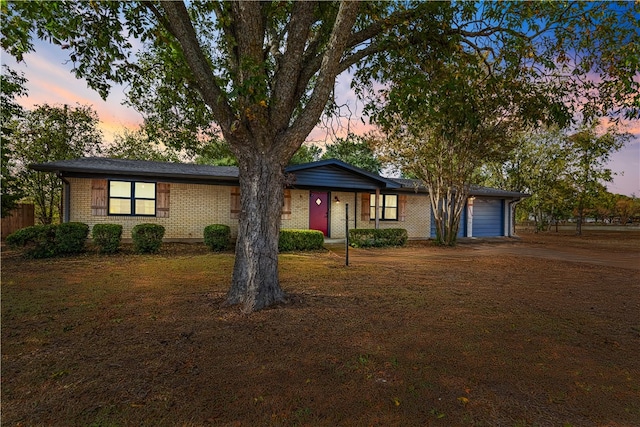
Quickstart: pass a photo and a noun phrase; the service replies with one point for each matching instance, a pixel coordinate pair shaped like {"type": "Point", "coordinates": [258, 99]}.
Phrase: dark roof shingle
{"type": "Point", "coordinates": [102, 165]}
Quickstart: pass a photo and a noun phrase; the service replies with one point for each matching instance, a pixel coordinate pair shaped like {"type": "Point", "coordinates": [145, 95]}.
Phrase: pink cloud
{"type": "Point", "coordinates": [50, 81]}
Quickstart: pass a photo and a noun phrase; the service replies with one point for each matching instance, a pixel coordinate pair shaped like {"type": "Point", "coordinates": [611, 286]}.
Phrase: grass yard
{"type": "Point", "coordinates": [544, 331]}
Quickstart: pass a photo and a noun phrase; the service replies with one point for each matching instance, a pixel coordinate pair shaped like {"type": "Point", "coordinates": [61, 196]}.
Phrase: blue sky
{"type": "Point", "coordinates": [51, 82]}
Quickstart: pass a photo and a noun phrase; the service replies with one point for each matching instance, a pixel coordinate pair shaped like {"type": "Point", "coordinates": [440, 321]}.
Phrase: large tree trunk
{"type": "Point", "coordinates": [255, 283]}
{"type": "Point", "coordinates": [267, 116]}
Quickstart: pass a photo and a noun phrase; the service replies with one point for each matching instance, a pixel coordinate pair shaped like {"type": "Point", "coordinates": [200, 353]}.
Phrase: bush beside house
{"type": "Point", "coordinates": [71, 238]}
{"type": "Point", "coordinates": [107, 237]}
{"type": "Point", "coordinates": [383, 237]}
{"type": "Point", "coordinates": [45, 241]}
{"type": "Point", "coordinates": [300, 240]}
{"type": "Point", "coordinates": [147, 238]}
{"type": "Point", "coordinates": [217, 237]}
{"type": "Point", "coordinates": [38, 240]}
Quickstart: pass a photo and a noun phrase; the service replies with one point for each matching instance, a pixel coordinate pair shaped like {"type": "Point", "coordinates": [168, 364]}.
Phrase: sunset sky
{"type": "Point", "coordinates": [50, 81]}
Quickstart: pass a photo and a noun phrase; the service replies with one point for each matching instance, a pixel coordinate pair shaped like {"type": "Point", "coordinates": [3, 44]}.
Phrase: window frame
{"type": "Point", "coordinates": [383, 207]}
{"type": "Point", "coordinates": [132, 198]}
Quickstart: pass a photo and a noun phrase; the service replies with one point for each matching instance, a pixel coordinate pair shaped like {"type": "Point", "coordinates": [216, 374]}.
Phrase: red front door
{"type": "Point", "coordinates": [319, 212]}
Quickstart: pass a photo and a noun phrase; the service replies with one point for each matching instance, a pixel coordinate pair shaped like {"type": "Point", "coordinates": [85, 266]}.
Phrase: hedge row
{"type": "Point", "coordinates": [300, 240]}
{"type": "Point", "coordinates": [45, 241]}
{"type": "Point", "coordinates": [218, 238]}
{"type": "Point", "coordinates": [366, 238]}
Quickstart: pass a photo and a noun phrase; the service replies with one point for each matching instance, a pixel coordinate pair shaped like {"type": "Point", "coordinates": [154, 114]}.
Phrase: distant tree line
{"type": "Point", "coordinates": [564, 172]}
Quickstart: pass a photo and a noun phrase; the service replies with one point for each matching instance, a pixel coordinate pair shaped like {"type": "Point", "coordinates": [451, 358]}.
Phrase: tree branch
{"type": "Point", "coordinates": [179, 24]}
{"type": "Point", "coordinates": [302, 17]}
{"type": "Point", "coordinates": [328, 71]}
{"type": "Point", "coordinates": [228, 32]}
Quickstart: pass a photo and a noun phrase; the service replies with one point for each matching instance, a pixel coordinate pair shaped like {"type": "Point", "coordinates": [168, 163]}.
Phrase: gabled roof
{"type": "Point", "coordinates": [336, 174]}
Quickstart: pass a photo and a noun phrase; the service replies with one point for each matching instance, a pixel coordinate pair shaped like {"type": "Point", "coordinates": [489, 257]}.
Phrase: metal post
{"type": "Point", "coordinates": [346, 240]}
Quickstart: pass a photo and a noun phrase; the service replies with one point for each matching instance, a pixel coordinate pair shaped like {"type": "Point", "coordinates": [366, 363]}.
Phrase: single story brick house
{"type": "Point", "coordinates": [185, 198]}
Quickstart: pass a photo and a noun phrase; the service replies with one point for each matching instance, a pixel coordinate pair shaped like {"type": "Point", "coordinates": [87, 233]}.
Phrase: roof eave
{"type": "Point", "coordinates": [386, 182]}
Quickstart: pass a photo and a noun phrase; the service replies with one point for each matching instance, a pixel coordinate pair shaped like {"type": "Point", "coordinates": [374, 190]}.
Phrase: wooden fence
{"type": "Point", "coordinates": [22, 216]}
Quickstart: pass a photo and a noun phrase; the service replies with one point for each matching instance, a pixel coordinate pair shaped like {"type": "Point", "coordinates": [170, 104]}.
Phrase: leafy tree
{"type": "Point", "coordinates": [136, 145]}
{"type": "Point", "coordinates": [263, 73]}
{"type": "Point", "coordinates": [625, 208]}
{"type": "Point", "coordinates": [50, 133]}
{"type": "Point", "coordinates": [605, 206]}
{"type": "Point", "coordinates": [537, 166]}
{"type": "Point", "coordinates": [563, 173]}
{"type": "Point", "coordinates": [589, 154]}
{"type": "Point", "coordinates": [434, 101]}
{"type": "Point", "coordinates": [307, 153]}
{"type": "Point", "coordinates": [356, 150]}
{"type": "Point", "coordinates": [12, 85]}
{"type": "Point", "coordinates": [635, 209]}
{"type": "Point", "coordinates": [457, 120]}
{"type": "Point", "coordinates": [217, 153]}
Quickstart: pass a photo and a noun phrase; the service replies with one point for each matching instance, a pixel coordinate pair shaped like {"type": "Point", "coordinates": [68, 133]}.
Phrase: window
{"type": "Point", "coordinates": [387, 207]}
{"type": "Point", "coordinates": [132, 198]}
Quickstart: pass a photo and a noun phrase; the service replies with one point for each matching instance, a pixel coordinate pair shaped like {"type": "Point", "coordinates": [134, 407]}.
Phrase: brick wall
{"type": "Point", "coordinates": [417, 221]}
{"type": "Point", "coordinates": [194, 206]}
{"type": "Point", "coordinates": [299, 211]}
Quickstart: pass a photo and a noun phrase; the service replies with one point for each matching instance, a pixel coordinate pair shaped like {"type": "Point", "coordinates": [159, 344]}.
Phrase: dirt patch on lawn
{"type": "Point", "coordinates": [543, 330]}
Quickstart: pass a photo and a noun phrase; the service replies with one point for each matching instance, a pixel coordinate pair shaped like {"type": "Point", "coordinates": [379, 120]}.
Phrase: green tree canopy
{"type": "Point", "coordinates": [49, 133]}
{"type": "Point", "coordinates": [12, 85]}
{"type": "Point", "coordinates": [448, 111]}
{"type": "Point", "coordinates": [563, 171]}
{"type": "Point", "coordinates": [537, 166]}
{"type": "Point", "coordinates": [306, 153]}
{"type": "Point", "coordinates": [590, 151]}
{"type": "Point", "coordinates": [458, 117]}
{"type": "Point", "coordinates": [356, 150]}
{"type": "Point", "coordinates": [136, 145]}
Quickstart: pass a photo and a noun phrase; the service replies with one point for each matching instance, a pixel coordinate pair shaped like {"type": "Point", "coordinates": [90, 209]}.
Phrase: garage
{"type": "Point", "coordinates": [488, 217]}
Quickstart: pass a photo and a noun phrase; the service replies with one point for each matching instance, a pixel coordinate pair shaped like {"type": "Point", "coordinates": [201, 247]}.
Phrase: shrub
{"type": "Point", "coordinates": [107, 237]}
{"type": "Point", "coordinates": [300, 240]}
{"type": "Point", "coordinates": [217, 237]}
{"type": "Point", "coordinates": [70, 238]}
{"type": "Point", "coordinates": [147, 238]}
{"type": "Point", "coordinates": [365, 237]}
{"type": "Point", "coordinates": [40, 240]}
